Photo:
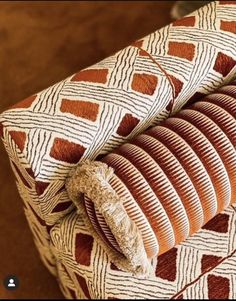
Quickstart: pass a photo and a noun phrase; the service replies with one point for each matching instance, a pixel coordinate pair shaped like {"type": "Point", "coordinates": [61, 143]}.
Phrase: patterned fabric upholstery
{"type": "Point", "coordinates": [46, 134]}
{"type": "Point", "coordinates": [201, 267]}
{"type": "Point", "coordinates": [170, 179]}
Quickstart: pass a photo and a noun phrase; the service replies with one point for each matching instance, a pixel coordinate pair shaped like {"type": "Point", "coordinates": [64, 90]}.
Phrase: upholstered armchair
{"type": "Point", "coordinates": [94, 111]}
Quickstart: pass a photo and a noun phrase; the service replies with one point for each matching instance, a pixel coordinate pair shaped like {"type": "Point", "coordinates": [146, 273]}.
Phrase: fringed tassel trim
{"type": "Point", "coordinates": [92, 179]}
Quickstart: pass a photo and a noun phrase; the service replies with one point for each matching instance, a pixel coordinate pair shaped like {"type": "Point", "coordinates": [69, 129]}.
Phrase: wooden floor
{"type": "Point", "coordinates": [40, 44]}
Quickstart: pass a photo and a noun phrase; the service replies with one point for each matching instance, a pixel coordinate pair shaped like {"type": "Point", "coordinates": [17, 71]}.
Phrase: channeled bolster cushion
{"type": "Point", "coordinates": [156, 190]}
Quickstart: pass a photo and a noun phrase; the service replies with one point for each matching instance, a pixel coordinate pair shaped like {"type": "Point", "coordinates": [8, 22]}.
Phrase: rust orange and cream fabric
{"type": "Point", "coordinates": [163, 185]}
{"type": "Point", "coordinates": [99, 108]}
{"type": "Point", "coordinates": [201, 267]}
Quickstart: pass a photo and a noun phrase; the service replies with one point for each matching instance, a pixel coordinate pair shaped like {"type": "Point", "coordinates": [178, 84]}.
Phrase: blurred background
{"type": "Point", "coordinates": [41, 43]}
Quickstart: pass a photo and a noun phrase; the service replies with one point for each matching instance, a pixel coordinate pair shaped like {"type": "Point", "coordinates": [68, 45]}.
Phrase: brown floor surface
{"type": "Point", "coordinates": [40, 44]}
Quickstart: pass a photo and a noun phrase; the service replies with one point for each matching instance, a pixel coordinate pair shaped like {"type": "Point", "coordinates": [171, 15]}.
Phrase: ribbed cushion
{"type": "Point", "coordinates": [176, 176]}
{"type": "Point", "coordinates": [165, 183]}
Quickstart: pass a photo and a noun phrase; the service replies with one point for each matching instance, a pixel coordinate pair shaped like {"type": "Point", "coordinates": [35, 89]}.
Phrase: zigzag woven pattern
{"type": "Point", "coordinates": [48, 133]}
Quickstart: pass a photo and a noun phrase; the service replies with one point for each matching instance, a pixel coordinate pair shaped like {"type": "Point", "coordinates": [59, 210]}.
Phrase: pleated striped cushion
{"type": "Point", "coordinates": [176, 176]}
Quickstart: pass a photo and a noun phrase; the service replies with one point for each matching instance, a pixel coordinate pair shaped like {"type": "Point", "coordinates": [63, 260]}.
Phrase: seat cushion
{"type": "Point", "coordinates": [201, 267]}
